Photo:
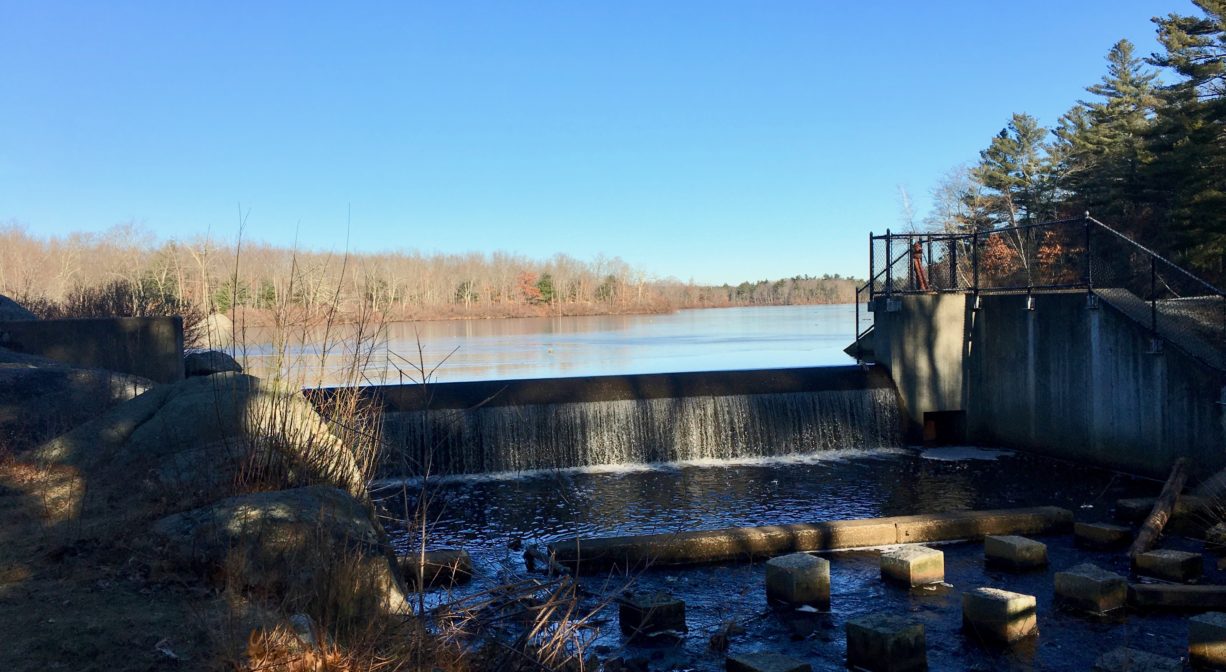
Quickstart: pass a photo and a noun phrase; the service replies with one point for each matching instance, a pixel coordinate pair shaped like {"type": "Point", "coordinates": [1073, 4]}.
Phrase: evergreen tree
{"type": "Point", "coordinates": [1189, 140]}
{"type": "Point", "coordinates": [1018, 174]}
{"type": "Point", "coordinates": [1102, 143]}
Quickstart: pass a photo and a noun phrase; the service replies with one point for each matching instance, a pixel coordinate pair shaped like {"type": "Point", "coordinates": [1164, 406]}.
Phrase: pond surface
{"type": "Point", "coordinates": [495, 517]}
{"type": "Point", "coordinates": [715, 339]}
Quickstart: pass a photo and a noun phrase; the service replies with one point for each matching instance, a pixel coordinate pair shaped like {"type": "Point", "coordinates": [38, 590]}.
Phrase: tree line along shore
{"type": "Point", "coordinates": [125, 271]}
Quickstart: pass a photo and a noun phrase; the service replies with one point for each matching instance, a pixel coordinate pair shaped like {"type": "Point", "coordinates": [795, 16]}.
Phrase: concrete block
{"type": "Point", "coordinates": [1124, 659]}
{"type": "Point", "coordinates": [1102, 535]}
{"type": "Point", "coordinates": [799, 578]}
{"type": "Point", "coordinates": [913, 565]}
{"type": "Point", "coordinates": [651, 613]}
{"type": "Point", "coordinates": [1091, 588]}
{"type": "Point", "coordinates": [1015, 552]}
{"type": "Point", "coordinates": [999, 616]}
{"type": "Point", "coordinates": [1207, 640]}
{"type": "Point", "coordinates": [765, 662]}
{"type": "Point", "coordinates": [446, 567]}
{"type": "Point", "coordinates": [886, 643]}
{"type": "Point", "coordinates": [1178, 566]}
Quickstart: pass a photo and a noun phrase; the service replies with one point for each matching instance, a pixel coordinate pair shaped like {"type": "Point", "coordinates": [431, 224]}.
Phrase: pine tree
{"type": "Point", "coordinates": [1018, 174]}
{"type": "Point", "coordinates": [1190, 136]}
{"type": "Point", "coordinates": [1102, 143]}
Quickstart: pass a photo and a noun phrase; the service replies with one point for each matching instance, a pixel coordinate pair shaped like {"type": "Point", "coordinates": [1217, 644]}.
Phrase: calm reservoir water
{"type": "Point", "coordinates": [687, 340]}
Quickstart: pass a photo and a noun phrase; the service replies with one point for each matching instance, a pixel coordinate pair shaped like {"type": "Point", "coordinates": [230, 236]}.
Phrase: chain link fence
{"type": "Point", "coordinates": [1069, 255]}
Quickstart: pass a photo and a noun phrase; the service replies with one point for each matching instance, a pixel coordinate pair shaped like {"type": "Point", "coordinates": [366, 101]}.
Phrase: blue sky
{"type": "Point", "coordinates": [711, 140]}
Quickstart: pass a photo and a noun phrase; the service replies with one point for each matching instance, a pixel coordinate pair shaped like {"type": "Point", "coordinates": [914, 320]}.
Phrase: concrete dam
{"type": "Point", "coordinates": [1069, 341]}
{"type": "Point", "coordinates": [560, 423]}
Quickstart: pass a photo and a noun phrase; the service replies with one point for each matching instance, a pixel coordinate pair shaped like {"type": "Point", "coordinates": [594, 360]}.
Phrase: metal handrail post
{"type": "Point", "coordinates": [872, 266]}
{"type": "Point", "coordinates": [1089, 272]}
{"type": "Point", "coordinates": [1153, 296]}
{"type": "Point", "coordinates": [975, 262]}
{"type": "Point", "coordinates": [889, 263]}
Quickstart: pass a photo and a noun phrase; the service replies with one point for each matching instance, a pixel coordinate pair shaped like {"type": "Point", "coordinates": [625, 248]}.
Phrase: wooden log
{"type": "Point", "coordinates": [1161, 513]}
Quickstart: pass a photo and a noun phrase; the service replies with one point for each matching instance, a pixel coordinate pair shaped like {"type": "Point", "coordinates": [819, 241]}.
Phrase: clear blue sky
{"type": "Point", "coordinates": [712, 140]}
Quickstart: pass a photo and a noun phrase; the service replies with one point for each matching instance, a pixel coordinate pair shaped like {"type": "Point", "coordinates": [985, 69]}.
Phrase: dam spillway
{"type": "Point", "coordinates": [565, 423]}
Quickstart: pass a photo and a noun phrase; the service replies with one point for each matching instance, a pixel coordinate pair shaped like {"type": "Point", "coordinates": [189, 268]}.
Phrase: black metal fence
{"type": "Point", "coordinates": [1068, 255]}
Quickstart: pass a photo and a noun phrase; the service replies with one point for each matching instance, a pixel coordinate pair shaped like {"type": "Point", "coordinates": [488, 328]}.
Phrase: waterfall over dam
{"type": "Point", "coordinates": [560, 423]}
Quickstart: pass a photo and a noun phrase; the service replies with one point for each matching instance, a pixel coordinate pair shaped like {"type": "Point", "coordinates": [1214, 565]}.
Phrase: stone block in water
{"type": "Point", "coordinates": [1207, 640]}
{"type": "Point", "coordinates": [1102, 535]}
{"type": "Point", "coordinates": [1178, 566]}
{"type": "Point", "coordinates": [446, 567]}
{"type": "Point", "coordinates": [913, 565]}
{"type": "Point", "coordinates": [1124, 659]}
{"type": "Point", "coordinates": [765, 662]}
{"type": "Point", "coordinates": [1091, 588]}
{"type": "Point", "coordinates": [886, 643]}
{"type": "Point", "coordinates": [647, 614]}
{"type": "Point", "coordinates": [999, 616]}
{"type": "Point", "coordinates": [799, 579]}
{"type": "Point", "coordinates": [1014, 552]}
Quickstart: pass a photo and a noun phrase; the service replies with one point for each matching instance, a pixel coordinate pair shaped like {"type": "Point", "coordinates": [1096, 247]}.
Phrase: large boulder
{"type": "Point", "coordinates": [315, 549]}
{"type": "Point", "coordinates": [217, 331]}
{"type": "Point", "coordinates": [208, 362]}
{"type": "Point", "coordinates": [181, 445]}
{"type": "Point", "coordinates": [11, 310]}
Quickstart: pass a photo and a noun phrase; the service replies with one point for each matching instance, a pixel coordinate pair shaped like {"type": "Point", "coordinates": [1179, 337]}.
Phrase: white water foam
{"type": "Point", "coordinates": [617, 469]}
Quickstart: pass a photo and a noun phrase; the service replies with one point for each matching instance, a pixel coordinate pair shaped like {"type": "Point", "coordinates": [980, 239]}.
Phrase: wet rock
{"type": "Point", "coordinates": [799, 579]}
{"type": "Point", "coordinates": [444, 567]}
{"type": "Point", "coordinates": [208, 362]}
{"type": "Point", "coordinates": [1090, 588]}
{"type": "Point", "coordinates": [300, 545]}
{"type": "Point", "coordinates": [1014, 552]}
{"type": "Point", "coordinates": [999, 616]}
{"type": "Point", "coordinates": [886, 643]}
{"type": "Point", "coordinates": [648, 614]}
{"type": "Point", "coordinates": [765, 662]}
{"type": "Point", "coordinates": [1178, 566]}
{"type": "Point", "coordinates": [913, 565]}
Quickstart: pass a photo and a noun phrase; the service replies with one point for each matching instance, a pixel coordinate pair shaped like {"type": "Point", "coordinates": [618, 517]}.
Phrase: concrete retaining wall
{"type": "Point", "coordinates": [1064, 379]}
{"type": "Point", "coordinates": [151, 347]}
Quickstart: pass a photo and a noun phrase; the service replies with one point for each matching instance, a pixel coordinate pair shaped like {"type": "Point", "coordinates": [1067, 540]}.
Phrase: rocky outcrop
{"type": "Point", "coordinates": [193, 441]}
{"type": "Point", "coordinates": [11, 310]}
{"type": "Point", "coordinates": [208, 362]}
{"type": "Point", "coordinates": [301, 545]}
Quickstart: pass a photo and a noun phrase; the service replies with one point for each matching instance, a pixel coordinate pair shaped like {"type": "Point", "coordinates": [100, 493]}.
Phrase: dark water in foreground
{"type": "Point", "coordinates": [494, 516]}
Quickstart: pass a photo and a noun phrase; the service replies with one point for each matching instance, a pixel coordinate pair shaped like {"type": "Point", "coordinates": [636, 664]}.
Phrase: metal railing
{"type": "Point", "coordinates": [1066, 255]}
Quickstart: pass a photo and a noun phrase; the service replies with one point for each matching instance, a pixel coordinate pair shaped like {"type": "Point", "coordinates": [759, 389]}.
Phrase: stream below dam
{"type": "Point", "coordinates": [494, 516]}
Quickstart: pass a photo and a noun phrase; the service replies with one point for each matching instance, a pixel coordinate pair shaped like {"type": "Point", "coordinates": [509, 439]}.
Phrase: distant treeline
{"type": "Point", "coordinates": [1145, 154]}
{"type": "Point", "coordinates": [127, 271]}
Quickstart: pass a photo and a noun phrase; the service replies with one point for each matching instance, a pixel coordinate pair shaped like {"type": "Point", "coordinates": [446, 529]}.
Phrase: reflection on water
{"type": "Point", "coordinates": [688, 340]}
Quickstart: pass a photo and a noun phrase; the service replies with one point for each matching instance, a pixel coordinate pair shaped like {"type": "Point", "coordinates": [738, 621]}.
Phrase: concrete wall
{"type": "Point", "coordinates": [541, 391]}
{"type": "Point", "coordinates": [1065, 379]}
{"type": "Point", "coordinates": [151, 347]}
